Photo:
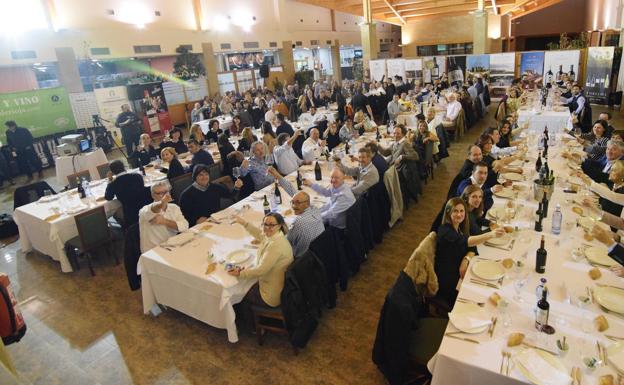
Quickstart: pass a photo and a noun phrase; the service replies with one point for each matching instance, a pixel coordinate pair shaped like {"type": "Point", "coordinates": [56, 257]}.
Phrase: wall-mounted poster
{"type": "Point", "coordinates": [148, 101]}
{"type": "Point", "coordinates": [456, 68]}
{"type": "Point", "coordinates": [413, 69]}
{"type": "Point", "coordinates": [44, 112]}
{"type": "Point", "coordinates": [478, 66]}
{"type": "Point", "coordinates": [433, 67]}
{"type": "Point", "coordinates": [532, 69]}
{"type": "Point", "coordinates": [502, 66]}
{"type": "Point", "coordinates": [395, 67]}
{"type": "Point", "coordinates": [109, 101]}
{"type": "Point", "coordinates": [561, 65]}
{"type": "Point", "coordinates": [598, 78]}
{"type": "Point", "coordinates": [377, 69]}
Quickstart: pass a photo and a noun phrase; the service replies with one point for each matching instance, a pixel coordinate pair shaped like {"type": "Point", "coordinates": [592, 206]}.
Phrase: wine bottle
{"type": "Point", "coordinates": [266, 206]}
{"type": "Point", "coordinates": [543, 311]}
{"type": "Point", "coordinates": [538, 162]}
{"type": "Point", "coordinates": [549, 75]}
{"type": "Point", "coordinates": [317, 172]}
{"type": "Point", "coordinates": [540, 257]}
{"type": "Point", "coordinates": [571, 74]}
{"type": "Point", "coordinates": [81, 191]}
{"type": "Point", "coordinates": [278, 195]}
{"type": "Point", "coordinates": [538, 218]}
{"type": "Point", "coordinates": [544, 206]}
{"type": "Point", "coordinates": [141, 168]}
{"type": "Point", "coordinates": [299, 181]}
{"type": "Point", "coordinates": [560, 73]}
{"type": "Point", "coordinates": [435, 72]}
{"type": "Point", "coordinates": [546, 169]}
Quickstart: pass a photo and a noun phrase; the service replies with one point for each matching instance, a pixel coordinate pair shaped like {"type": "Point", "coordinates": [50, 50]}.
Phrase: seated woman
{"type": "Point", "coordinates": [247, 138]}
{"type": "Point", "coordinates": [507, 134]}
{"type": "Point", "coordinates": [268, 136]}
{"type": "Point", "coordinates": [144, 152]}
{"type": "Point", "coordinates": [236, 128]}
{"type": "Point", "coordinates": [175, 169]}
{"type": "Point", "coordinates": [348, 131]}
{"type": "Point", "coordinates": [423, 137]}
{"type": "Point", "coordinates": [175, 141]}
{"type": "Point", "coordinates": [331, 135]}
{"type": "Point", "coordinates": [473, 197]}
{"type": "Point", "coordinates": [274, 256]}
{"type": "Point", "coordinates": [197, 134]}
{"type": "Point", "coordinates": [214, 111]}
{"type": "Point", "coordinates": [452, 246]}
{"type": "Point", "coordinates": [214, 131]}
{"type": "Point", "coordinates": [201, 199]}
{"type": "Point", "coordinates": [595, 142]}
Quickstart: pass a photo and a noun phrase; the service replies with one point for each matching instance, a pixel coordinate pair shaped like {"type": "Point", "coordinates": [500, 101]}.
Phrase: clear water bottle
{"type": "Point", "coordinates": [540, 288]}
{"type": "Point", "coordinates": [556, 220]}
{"type": "Point", "coordinates": [86, 187]}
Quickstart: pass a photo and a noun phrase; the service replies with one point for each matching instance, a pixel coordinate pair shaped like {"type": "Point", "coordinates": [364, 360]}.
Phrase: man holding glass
{"type": "Point", "coordinates": [257, 166]}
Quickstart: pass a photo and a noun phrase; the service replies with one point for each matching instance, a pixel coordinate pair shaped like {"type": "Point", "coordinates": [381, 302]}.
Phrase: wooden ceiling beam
{"type": "Point", "coordinates": [539, 5]}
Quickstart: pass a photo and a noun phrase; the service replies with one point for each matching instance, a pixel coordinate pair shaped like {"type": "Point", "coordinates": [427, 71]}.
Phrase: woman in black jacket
{"type": "Point", "coordinates": [175, 168]}
{"type": "Point", "coordinates": [175, 141]}
{"type": "Point", "coordinates": [144, 153]}
{"type": "Point", "coordinates": [225, 148]}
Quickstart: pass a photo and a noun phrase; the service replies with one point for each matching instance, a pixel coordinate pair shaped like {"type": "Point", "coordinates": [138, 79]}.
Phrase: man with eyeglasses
{"type": "Point", "coordinates": [160, 220]}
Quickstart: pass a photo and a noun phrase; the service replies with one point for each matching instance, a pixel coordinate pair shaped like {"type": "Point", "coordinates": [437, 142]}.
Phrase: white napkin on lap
{"type": "Point", "coordinates": [469, 321]}
{"type": "Point", "coordinates": [542, 369]}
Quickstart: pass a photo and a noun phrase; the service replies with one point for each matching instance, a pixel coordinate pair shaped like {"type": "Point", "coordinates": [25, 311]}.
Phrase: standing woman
{"type": "Point", "coordinates": [452, 246]}
{"type": "Point", "coordinates": [340, 100]}
{"type": "Point", "coordinates": [274, 256]}
{"type": "Point", "coordinates": [268, 136]}
{"type": "Point", "coordinates": [175, 169]}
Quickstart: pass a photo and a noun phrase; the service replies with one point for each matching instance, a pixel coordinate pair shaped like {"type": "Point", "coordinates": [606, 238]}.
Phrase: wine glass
{"type": "Point", "coordinates": [47, 193]}
{"type": "Point", "coordinates": [268, 159]}
{"type": "Point", "coordinates": [236, 172]}
{"type": "Point", "coordinates": [520, 280]}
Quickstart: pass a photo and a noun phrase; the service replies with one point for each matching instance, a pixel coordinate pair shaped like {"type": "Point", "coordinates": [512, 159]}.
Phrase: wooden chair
{"type": "Point", "coordinates": [71, 178]}
{"type": "Point", "coordinates": [179, 184]}
{"type": "Point", "coordinates": [103, 169]}
{"type": "Point", "coordinates": [93, 233]}
{"type": "Point", "coordinates": [269, 319]}
{"type": "Point", "coordinates": [428, 160]}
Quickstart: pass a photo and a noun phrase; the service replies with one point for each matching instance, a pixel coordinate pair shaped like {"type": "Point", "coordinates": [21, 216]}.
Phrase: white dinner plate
{"type": "Point", "coordinates": [488, 270]}
{"type": "Point", "coordinates": [576, 180]}
{"type": "Point", "coordinates": [610, 298]}
{"type": "Point", "coordinates": [505, 193]}
{"type": "Point", "coordinates": [550, 360]}
{"type": "Point", "coordinates": [599, 255]}
{"type": "Point", "coordinates": [574, 143]}
{"type": "Point", "coordinates": [76, 209]}
{"type": "Point", "coordinates": [180, 239]}
{"type": "Point", "coordinates": [516, 163]}
{"type": "Point", "coordinates": [512, 176]}
{"type": "Point", "coordinates": [496, 212]}
{"type": "Point", "coordinates": [615, 354]}
{"type": "Point", "coordinates": [460, 314]}
{"type": "Point", "coordinates": [48, 198]}
{"type": "Point", "coordinates": [573, 165]}
{"type": "Point", "coordinates": [586, 222]}
{"type": "Point", "coordinates": [238, 256]}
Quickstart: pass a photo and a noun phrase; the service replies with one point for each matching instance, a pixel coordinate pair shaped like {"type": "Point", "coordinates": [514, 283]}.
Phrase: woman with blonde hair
{"type": "Point", "coordinates": [197, 134]}
{"type": "Point", "coordinates": [247, 138]}
{"type": "Point", "coordinates": [174, 169]}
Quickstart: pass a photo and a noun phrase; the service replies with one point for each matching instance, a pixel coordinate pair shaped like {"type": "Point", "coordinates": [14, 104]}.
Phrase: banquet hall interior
{"type": "Point", "coordinates": [312, 192]}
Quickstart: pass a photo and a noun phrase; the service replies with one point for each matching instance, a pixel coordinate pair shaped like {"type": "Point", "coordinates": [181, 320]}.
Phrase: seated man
{"type": "Point", "coordinates": [199, 155]}
{"type": "Point", "coordinates": [334, 213]}
{"type": "Point", "coordinates": [256, 166]}
{"type": "Point", "coordinates": [378, 161]}
{"type": "Point", "coordinates": [285, 158]}
{"type": "Point", "coordinates": [366, 176]}
{"type": "Point", "coordinates": [313, 147]}
{"type": "Point", "coordinates": [129, 189]}
{"type": "Point", "coordinates": [615, 249]}
{"type": "Point", "coordinates": [598, 170]}
{"type": "Point", "coordinates": [479, 177]}
{"type": "Point", "coordinates": [401, 150]}
{"type": "Point", "coordinates": [394, 108]}
{"type": "Point", "coordinates": [201, 199]}
{"type": "Point", "coordinates": [312, 118]}
{"type": "Point", "coordinates": [453, 108]}
{"type": "Point", "coordinates": [161, 219]}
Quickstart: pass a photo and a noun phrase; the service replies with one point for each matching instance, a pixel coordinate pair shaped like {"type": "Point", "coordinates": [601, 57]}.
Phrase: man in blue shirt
{"type": "Point", "coordinates": [341, 198]}
{"type": "Point", "coordinates": [257, 167]}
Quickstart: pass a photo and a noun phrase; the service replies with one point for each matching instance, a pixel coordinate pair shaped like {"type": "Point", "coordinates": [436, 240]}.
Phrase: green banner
{"type": "Point", "coordinates": [43, 112]}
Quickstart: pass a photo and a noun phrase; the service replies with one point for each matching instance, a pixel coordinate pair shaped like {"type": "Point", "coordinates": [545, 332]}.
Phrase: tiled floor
{"type": "Point", "coordinates": [91, 330]}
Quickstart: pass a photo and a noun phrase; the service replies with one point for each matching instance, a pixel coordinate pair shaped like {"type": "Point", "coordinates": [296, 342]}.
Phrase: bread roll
{"type": "Point", "coordinates": [606, 380]}
{"type": "Point", "coordinates": [495, 299]}
{"type": "Point", "coordinates": [515, 339]}
{"type": "Point", "coordinates": [595, 273]}
{"type": "Point", "coordinates": [601, 323]}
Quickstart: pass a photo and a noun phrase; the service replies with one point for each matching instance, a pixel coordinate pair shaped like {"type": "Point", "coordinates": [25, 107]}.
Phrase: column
{"type": "Point", "coordinates": [409, 50]}
{"type": "Point", "coordinates": [335, 57]}
{"type": "Point", "coordinates": [370, 44]}
{"type": "Point", "coordinates": [212, 81]}
{"type": "Point", "coordinates": [67, 66]}
{"type": "Point", "coordinates": [480, 30]}
{"type": "Point", "coordinates": [287, 61]}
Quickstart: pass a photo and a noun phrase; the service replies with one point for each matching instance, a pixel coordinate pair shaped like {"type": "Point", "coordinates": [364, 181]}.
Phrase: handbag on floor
{"type": "Point", "coordinates": [12, 325]}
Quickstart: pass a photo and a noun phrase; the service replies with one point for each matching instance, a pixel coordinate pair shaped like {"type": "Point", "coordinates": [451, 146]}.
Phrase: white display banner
{"type": "Point", "coordinates": [84, 106]}
{"type": "Point", "coordinates": [413, 64]}
{"type": "Point", "coordinates": [561, 62]}
{"type": "Point", "coordinates": [109, 102]}
{"type": "Point", "coordinates": [226, 82]}
{"type": "Point", "coordinates": [395, 67]}
{"type": "Point", "coordinates": [377, 69]}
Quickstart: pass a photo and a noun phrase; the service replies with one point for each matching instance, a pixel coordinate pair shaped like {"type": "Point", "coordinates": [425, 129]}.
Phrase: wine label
{"type": "Point", "coordinates": [541, 318]}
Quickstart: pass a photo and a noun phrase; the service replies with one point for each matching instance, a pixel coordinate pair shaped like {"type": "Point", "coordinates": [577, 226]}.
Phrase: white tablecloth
{"type": "Point", "coordinates": [555, 120]}
{"type": "Point", "coordinates": [224, 123]}
{"type": "Point", "coordinates": [49, 237]}
{"type": "Point", "coordinates": [67, 165]}
{"type": "Point", "coordinates": [461, 362]}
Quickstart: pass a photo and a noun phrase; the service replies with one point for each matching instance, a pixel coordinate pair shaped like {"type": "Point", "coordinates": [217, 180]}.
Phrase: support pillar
{"type": "Point", "coordinates": [370, 44]}
{"type": "Point", "coordinates": [68, 73]}
{"type": "Point", "coordinates": [480, 30]}
{"type": "Point", "coordinates": [287, 61]}
{"type": "Point", "coordinates": [212, 81]}
{"type": "Point", "coordinates": [335, 58]}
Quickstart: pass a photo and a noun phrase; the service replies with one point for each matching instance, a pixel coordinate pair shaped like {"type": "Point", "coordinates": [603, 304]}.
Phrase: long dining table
{"type": "Point", "coordinates": [480, 357]}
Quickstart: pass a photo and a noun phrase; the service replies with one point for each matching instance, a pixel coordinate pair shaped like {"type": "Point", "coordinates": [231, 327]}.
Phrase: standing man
{"type": "Point", "coordinates": [366, 176]}
{"type": "Point", "coordinates": [130, 126]}
{"type": "Point", "coordinates": [21, 142]}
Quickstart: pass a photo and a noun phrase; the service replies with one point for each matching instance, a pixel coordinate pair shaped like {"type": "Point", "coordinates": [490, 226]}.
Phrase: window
{"type": "Point", "coordinates": [444, 49]}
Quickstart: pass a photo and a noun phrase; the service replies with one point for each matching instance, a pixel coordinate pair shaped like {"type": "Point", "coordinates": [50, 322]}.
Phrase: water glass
{"type": "Point", "coordinates": [47, 193]}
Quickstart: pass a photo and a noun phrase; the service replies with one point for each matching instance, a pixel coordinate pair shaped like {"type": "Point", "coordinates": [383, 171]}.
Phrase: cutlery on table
{"type": "Point", "coordinates": [461, 338]}
{"type": "Point", "coordinates": [508, 363]}
{"type": "Point", "coordinates": [483, 283]}
{"type": "Point", "coordinates": [494, 320]}
{"type": "Point", "coordinates": [540, 348]}
{"type": "Point", "coordinates": [466, 300]}
{"type": "Point", "coordinates": [503, 356]}
{"type": "Point", "coordinates": [605, 285]}
{"type": "Point", "coordinates": [614, 338]}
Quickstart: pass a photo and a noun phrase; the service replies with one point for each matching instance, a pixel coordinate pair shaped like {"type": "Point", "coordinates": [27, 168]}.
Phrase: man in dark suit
{"type": "Point", "coordinates": [599, 169]}
{"type": "Point", "coordinates": [615, 249]}
{"type": "Point", "coordinates": [284, 127]}
{"type": "Point", "coordinates": [199, 155]}
{"type": "Point", "coordinates": [129, 189]}
{"type": "Point", "coordinates": [21, 141]}
{"type": "Point", "coordinates": [359, 100]}
{"type": "Point", "coordinates": [479, 177]}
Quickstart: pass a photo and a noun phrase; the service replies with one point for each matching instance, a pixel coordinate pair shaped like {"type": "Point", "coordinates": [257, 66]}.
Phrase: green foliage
{"type": "Point", "coordinates": [358, 69]}
{"type": "Point", "coordinates": [304, 77]}
{"type": "Point", "coordinates": [565, 42]}
{"type": "Point", "coordinates": [277, 84]}
{"type": "Point", "coordinates": [187, 65]}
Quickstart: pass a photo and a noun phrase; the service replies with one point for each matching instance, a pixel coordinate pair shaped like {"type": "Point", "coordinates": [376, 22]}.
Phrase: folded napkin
{"type": "Point", "coordinates": [222, 277]}
{"type": "Point", "coordinates": [535, 364]}
{"type": "Point", "coordinates": [469, 321]}
{"type": "Point", "coordinates": [52, 217]}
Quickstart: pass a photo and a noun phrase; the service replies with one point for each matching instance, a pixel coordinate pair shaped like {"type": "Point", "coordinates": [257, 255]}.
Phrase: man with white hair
{"type": "Point", "coordinates": [453, 107]}
{"type": "Point", "coordinates": [313, 147]}
{"type": "Point", "coordinates": [160, 220]}
{"type": "Point", "coordinates": [598, 170]}
{"type": "Point", "coordinates": [341, 198]}
{"type": "Point", "coordinates": [256, 166]}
